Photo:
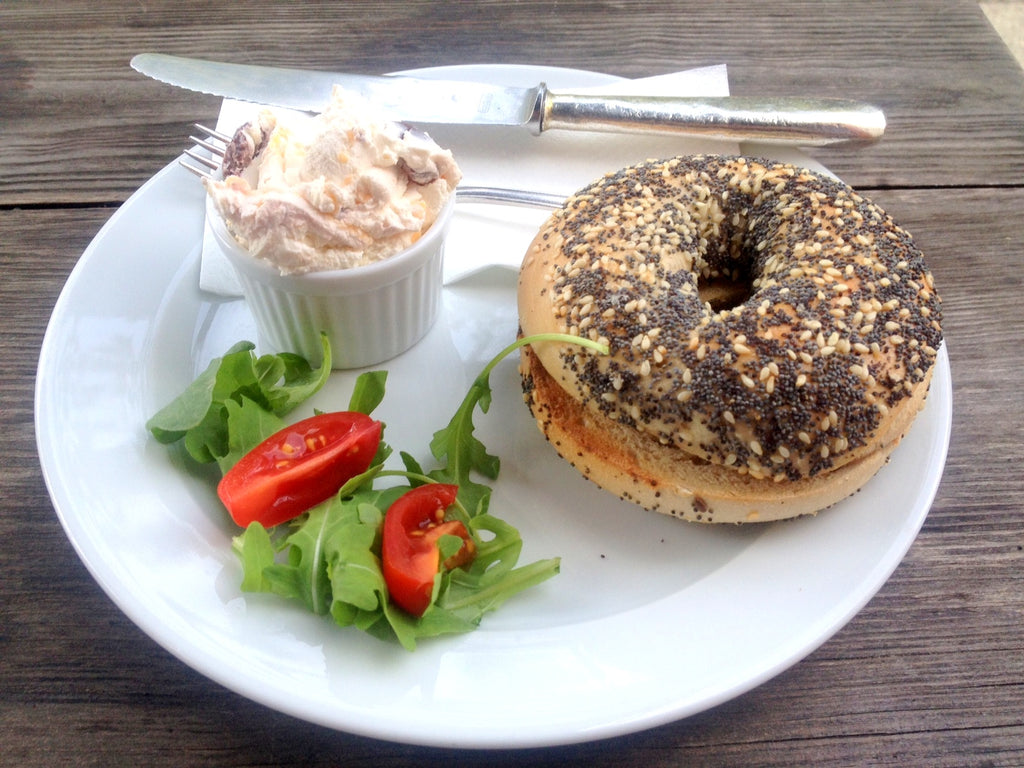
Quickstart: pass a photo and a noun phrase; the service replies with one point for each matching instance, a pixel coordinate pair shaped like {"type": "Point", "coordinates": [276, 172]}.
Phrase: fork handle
{"type": "Point", "coordinates": [519, 197]}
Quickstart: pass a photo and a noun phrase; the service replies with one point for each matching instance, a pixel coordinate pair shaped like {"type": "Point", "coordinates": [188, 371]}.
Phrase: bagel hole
{"type": "Point", "coordinates": [723, 292]}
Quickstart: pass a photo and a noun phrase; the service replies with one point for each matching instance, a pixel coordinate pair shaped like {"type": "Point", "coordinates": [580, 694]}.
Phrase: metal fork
{"type": "Point", "coordinates": [215, 142]}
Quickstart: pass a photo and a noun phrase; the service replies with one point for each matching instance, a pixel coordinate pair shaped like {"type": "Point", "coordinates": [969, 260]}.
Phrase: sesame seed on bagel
{"type": "Point", "coordinates": [772, 335]}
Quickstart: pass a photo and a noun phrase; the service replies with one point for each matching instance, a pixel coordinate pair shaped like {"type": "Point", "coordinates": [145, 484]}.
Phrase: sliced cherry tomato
{"type": "Point", "coordinates": [298, 467]}
{"type": "Point", "coordinates": [409, 550]}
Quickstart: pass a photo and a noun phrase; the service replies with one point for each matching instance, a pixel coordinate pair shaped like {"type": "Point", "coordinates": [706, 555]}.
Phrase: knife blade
{"type": "Point", "coordinates": [782, 120]}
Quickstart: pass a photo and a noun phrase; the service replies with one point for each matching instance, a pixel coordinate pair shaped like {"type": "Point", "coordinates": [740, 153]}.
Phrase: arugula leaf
{"type": "Point", "coordinates": [191, 407]}
{"type": "Point", "coordinates": [248, 425]}
{"type": "Point", "coordinates": [256, 551]}
{"type": "Point", "coordinates": [200, 415]}
{"type": "Point", "coordinates": [303, 574]}
{"type": "Point", "coordinates": [289, 380]}
{"type": "Point", "coordinates": [356, 578]}
{"type": "Point", "coordinates": [368, 391]}
{"type": "Point", "coordinates": [331, 563]}
{"type": "Point", "coordinates": [462, 450]}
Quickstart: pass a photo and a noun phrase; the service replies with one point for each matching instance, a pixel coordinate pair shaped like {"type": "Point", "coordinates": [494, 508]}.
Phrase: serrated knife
{"type": "Point", "coordinates": [785, 120]}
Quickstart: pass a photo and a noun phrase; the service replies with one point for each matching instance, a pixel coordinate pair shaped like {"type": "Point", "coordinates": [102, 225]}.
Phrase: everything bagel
{"type": "Point", "coordinates": [772, 336]}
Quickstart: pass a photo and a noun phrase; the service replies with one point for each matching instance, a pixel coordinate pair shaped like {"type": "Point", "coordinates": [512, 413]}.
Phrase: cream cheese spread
{"type": "Point", "coordinates": [331, 191]}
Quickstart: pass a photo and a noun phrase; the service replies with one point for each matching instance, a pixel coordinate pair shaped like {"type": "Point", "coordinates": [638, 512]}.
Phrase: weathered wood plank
{"type": "Point", "coordinates": [953, 96]}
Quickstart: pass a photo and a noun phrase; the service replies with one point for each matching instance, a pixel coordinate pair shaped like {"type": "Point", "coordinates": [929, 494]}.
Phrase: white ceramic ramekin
{"type": "Point", "coordinates": [370, 313]}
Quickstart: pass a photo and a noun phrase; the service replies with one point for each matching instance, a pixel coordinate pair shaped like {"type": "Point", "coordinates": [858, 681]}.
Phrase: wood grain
{"type": "Point", "coordinates": [929, 673]}
{"type": "Point", "coordinates": [939, 76]}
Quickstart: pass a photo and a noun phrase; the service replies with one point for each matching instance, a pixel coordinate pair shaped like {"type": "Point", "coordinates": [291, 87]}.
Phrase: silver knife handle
{"type": "Point", "coordinates": [807, 122]}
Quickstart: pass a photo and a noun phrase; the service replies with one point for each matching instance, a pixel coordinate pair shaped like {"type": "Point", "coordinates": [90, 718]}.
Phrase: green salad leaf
{"type": "Point", "coordinates": [202, 414]}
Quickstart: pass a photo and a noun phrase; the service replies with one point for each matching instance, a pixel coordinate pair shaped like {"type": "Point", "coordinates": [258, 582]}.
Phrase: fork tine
{"type": "Point", "coordinates": [209, 147]}
{"type": "Point", "coordinates": [202, 174]}
{"type": "Point", "coordinates": [208, 162]}
{"type": "Point", "coordinates": [216, 150]}
{"type": "Point", "coordinates": [222, 137]}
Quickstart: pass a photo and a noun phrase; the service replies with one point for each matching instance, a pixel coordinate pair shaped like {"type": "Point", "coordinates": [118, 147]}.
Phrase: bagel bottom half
{"type": "Point", "coordinates": [665, 479]}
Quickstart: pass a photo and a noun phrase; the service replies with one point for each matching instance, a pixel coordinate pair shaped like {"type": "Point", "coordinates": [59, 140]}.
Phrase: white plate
{"type": "Point", "coordinates": [650, 620]}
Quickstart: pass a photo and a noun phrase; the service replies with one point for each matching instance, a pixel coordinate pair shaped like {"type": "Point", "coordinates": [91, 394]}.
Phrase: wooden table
{"type": "Point", "coordinates": [930, 673]}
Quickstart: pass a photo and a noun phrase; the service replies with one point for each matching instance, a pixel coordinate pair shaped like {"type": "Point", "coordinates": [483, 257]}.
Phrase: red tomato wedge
{"type": "Point", "coordinates": [298, 467]}
{"type": "Point", "coordinates": [411, 558]}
